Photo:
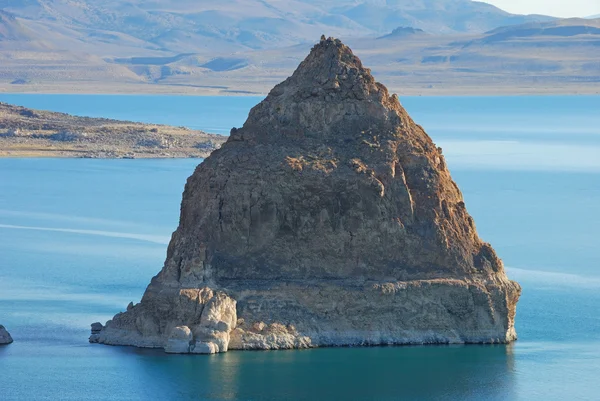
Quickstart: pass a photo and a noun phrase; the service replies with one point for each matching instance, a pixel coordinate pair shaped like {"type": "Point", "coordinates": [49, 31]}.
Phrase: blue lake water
{"type": "Point", "coordinates": [79, 239]}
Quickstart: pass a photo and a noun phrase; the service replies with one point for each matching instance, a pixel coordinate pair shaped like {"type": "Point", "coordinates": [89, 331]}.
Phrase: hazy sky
{"type": "Point", "coordinates": [557, 8]}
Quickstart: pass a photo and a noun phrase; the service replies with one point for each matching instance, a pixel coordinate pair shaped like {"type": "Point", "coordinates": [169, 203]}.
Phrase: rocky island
{"type": "Point", "coordinates": [5, 337]}
{"type": "Point", "coordinates": [329, 219]}
{"type": "Point", "coordinates": [35, 133]}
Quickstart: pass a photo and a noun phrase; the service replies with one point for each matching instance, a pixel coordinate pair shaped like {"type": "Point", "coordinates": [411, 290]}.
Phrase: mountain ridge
{"type": "Point", "coordinates": [254, 24]}
{"type": "Point", "coordinates": [557, 56]}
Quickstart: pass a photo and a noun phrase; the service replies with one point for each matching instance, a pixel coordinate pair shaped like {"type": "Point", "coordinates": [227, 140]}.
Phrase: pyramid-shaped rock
{"type": "Point", "coordinates": [329, 218]}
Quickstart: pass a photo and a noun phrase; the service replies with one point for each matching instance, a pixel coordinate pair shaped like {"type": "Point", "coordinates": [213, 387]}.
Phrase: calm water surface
{"type": "Point", "coordinates": [79, 239]}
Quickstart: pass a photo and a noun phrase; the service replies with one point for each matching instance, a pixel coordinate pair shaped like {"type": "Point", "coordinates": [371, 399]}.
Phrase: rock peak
{"type": "Point", "coordinates": [330, 89]}
{"type": "Point", "coordinates": [330, 54]}
{"type": "Point", "coordinates": [331, 67]}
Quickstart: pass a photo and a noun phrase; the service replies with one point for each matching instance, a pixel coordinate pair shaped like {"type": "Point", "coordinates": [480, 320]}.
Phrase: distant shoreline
{"type": "Point", "coordinates": [166, 90]}
{"type": "Point", "coordinates": [26, 132]}
{"type": "Point", "coordinates": [52, 154]}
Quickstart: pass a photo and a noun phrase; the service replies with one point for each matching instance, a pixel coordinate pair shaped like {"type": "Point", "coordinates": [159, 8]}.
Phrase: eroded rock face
{"type": "Point", "coordinates": [5, 337]}
{"type": "Point", "coordinates": [329, 218]}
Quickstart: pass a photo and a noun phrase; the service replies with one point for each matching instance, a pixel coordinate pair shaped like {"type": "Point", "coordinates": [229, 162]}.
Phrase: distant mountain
{"type": "Point", "coordinates": [15, 35]}
{"type": "Point", "coordinates": [593, 16]}
{"type": "Point", "coordinates": [182, 26]}
{"type": "Point", "coordinates": [433, 16]}
{"type": "Point", "coordinates": [567, 50]}
{"type": "Point", "coordinates": [558, 56]}
{"type": "Point", "coordinates": [560, 28]}
{"type": "Point", "coordinates": [564, 51]}
{"type": "Point", "coordinates": [246, 46]}
{"type": "Point", "coordinates": [403, 32]}
{"type": "Point", "coordinates": [31, 53]}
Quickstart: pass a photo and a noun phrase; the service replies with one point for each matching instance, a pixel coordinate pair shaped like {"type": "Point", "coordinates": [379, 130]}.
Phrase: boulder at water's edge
{"type": "Point", "coordinates": [5, 337]}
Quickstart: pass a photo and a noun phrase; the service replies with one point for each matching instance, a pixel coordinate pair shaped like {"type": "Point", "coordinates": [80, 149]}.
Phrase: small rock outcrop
{"type": "Point", "coordinates": [96, 329]}
{"type": "Point", "coordinates": [5, 337]}
{"type": "Point", "coordinates": [329, 219]}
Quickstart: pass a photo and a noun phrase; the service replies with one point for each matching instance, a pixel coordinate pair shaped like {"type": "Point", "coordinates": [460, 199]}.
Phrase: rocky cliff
{"type": "Point", "coordinates": [5, 337]}
{"type": "Point", "coordinates": [329, 219]}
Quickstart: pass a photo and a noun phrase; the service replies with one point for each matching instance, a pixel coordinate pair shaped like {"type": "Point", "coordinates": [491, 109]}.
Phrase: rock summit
{"type": "Point", "coordinates": [329, 219]}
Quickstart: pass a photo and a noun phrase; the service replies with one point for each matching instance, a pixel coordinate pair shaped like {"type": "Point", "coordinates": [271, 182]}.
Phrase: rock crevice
{"type": "Point", "coordinates": [330, 218]}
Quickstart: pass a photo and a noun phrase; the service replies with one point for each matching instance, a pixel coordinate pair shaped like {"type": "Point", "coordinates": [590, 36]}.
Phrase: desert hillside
{"type": "Point", "coordinates": [244, 47]}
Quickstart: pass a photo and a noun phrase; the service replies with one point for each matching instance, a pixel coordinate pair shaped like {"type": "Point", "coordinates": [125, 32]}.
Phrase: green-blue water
{"type": "Point", "coordinates": [79, 239]}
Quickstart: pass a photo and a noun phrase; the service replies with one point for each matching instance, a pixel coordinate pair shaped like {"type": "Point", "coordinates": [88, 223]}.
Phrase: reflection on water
{"type": "Point", "coordinates": [450, 372]}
